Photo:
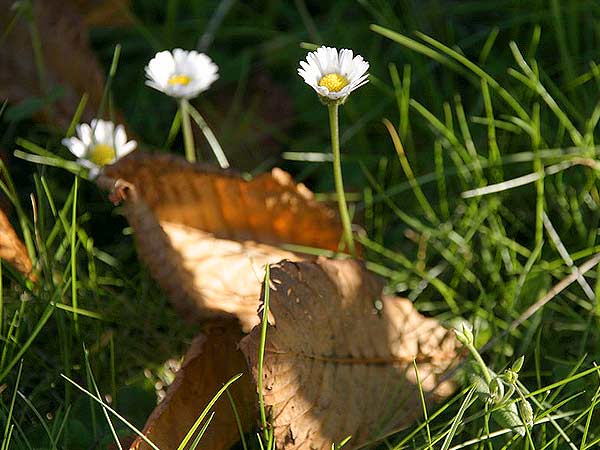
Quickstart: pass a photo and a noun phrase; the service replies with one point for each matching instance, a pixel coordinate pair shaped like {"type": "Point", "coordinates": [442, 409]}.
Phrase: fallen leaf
{"type": "Point", "coordinates": [336, 366]}
{"type": "Point", "coordinates": [207, 234]}
{"type": "Point", "coordinates": [212, 360]}
{"type": "Point", "coordinates": [12, 249]}
{"type": "Point", "coordinates": [68, 68]}
{"type": "Point", "coordinates": [104, 13]}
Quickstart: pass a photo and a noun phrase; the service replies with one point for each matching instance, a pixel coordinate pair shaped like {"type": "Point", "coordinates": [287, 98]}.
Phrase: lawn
{"type": "Point", "coordinates": [470, 177]}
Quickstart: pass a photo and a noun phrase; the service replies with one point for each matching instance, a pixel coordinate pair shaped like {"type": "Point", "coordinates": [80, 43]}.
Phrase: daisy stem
{"type": "Point", "coordinates": [188, 137]}
{"type": "Point", "coordinates": [210, 137]}
{"type": "Point", "coordinates": [475, 354]}
{"type": "Point", "coordinates": [337, 176]}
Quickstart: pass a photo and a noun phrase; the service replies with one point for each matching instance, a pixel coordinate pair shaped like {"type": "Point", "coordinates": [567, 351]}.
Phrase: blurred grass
{"type": "Point", "coordinates": [472, 94]}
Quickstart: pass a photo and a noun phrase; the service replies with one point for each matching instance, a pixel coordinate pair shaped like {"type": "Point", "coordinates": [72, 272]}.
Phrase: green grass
{"type": "Point", "coordinates": [470, 161]}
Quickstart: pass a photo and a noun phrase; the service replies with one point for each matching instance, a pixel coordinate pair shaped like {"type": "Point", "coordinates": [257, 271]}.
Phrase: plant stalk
{"type": "Point", "coordinates": [188, 137]}
{"type": "Point", "coordinates": [337, 175]}
{"type": "Point", "coordinates": [480, 362]}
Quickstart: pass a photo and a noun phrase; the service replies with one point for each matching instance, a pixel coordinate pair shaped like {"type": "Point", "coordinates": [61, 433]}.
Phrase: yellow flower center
{"type": "Point", "coordinates": [175, 80]}
{"type": "Point", "coordinates": [102, 154]}
{"type": "Point", "coordinates": [334, 82]}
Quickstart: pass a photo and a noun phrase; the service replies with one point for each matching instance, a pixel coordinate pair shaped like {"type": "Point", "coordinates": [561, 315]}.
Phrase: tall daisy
{"type": "Point", "coordinates": [334, 75]}
{"type": "Point", "coordinates": [183, 75]}
{"type": "Point", "coordinates": [98, 144]}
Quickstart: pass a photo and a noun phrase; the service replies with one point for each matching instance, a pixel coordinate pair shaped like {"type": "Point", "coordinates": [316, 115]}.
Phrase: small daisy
{"type": "Point", "coordinates": [332, 74]}
{"type": "Point", "coordinates": [181, 73]}
{"type": "Point", "coordinates": [98, 144]}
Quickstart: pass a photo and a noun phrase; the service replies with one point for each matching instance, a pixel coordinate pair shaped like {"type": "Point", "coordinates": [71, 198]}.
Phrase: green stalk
{"type": "Point", "coordinates": [74, 302]}
{"type": "Point", "coordinates": [261, 353]}
{"type": "Point", "coordinates": [2, 302]}
{"type": "Point", "coordinates": [475, 354]}
{"type": "Point", "coordinates": [210, 137]}
{"type": "Point", "coordinates": [188, 137]}
{"type": "Point", "coordinates": [337, 175]}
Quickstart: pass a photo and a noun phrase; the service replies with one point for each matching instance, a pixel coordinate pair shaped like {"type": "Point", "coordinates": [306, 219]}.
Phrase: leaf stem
{"type": "Point", "coordinates": [337, 175]}
{"type": "Point", "coordinates": [188, 137]}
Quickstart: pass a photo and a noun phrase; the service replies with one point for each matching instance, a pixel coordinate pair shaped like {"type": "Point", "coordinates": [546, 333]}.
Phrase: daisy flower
{"type": "Point", "coordinates": [181, 73]}
{"type": "Point", "coordinates": [332, 74]}
{"type": "Point", "coordinates": [98, 144]}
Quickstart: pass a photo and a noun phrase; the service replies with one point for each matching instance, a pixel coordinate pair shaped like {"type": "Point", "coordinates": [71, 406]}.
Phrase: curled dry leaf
{"type": "Point", "coordinates": [334, 365]}
{"type": "Point", "coordinates": [212, 360]}
{"type": "Point", "coordinates": [207, 234]}
{"type": "Point", "coordinates": [12, 249]}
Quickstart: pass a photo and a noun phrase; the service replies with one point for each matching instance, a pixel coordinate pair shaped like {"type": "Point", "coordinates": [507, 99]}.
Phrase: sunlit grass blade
{"type": "Point", "coordinates": [261, 353]}
{"type": "Point", "coordinates": [184, 442]}
{"type": "Point", "coordinates": [456, 422]}
{"type": "Point", "coordinates": [27, 344]}
{"type": "Point", "coordinates": [425, 205]}
{"type": "Point", "coordinates": [534, 83]}
{"type": "Point", "coordinates": [112, 411]}
{"type": "Point", "coordinates": [88, 369]}
{"type": "Point", "coordinates": [210, 136]}
{"type": "Point", "coordinates": [9, 418]}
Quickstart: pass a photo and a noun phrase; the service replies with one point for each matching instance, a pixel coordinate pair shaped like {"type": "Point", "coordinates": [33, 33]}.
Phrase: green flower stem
{"type": "Point", "coordinates": [210, 137]}
{"type": "Point", "coordinates": [188, 137]}
{"type": "Point", "coordinates": [480, 362]}
{"type": "Point", "coordinates": [337, 175]}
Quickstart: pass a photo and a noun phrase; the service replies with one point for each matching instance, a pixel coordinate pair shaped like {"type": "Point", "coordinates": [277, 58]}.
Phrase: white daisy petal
{"type": "Point", "coordinates": [126, 149]}
{"type": "Point", "coordinates": [181, 73]}
{"type": "Point", "coordinates": [85, 163]}
{"type": "Point", "coordinates": [98, 144]}
{"type": "Point", "coordinates": [75, 146]}
{"type": "Point", "coordinates": [84, 131]}
{"type": "Point", "coordinates": [346, 62]}
{"type": "Point", "coordinates": [93, 169]}
{"type": "Point", "coordinates": [154, 85]}
{"type": "Point", "coordinates": [120, 136]}
{"type": "Point", "coordinates": [322, 90]}
{"type": "Point", "coordinates": [161, 66]}
{"type": "Point", "coordinates": [334, 74]}
{"type": "Point", "coordinates": [94, 172]}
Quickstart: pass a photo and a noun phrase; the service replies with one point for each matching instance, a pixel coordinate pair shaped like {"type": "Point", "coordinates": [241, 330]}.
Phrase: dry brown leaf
{"type": "Point", "coordinates": [211, 361]}
{"type": "Point", "coordinates": [12, 249]}
{"type": "Point", "coordinates": [68, 61]}
{"type": "Point", "coordinates": [207, 234]}
{"type": "Point", "coordinates": [100, 13]}
{"type": "Point", "coordinates": [335, 366]}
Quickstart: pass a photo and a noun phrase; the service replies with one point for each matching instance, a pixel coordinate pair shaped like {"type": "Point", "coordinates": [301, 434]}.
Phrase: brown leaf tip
{"type": "Point", "coordinates": [12, 249]}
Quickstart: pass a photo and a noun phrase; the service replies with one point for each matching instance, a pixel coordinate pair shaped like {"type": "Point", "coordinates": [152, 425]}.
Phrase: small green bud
{"type": "Point", "coordinates": [510, 376]}
{"type": "Point", "coordinates": [461, 337]}
{"type": "Point", "coordinates": [508, 416]}
{"type": "Point", "coordinates": [526, 412]}
{"type": "Point", "coordinates": [518, 364]}
{"type": "Point", "coordinates": [465, 336]}
{"type": "Point", "coordinates": [496, 390]}
{"type": "Point", "coordinates": [468, 332]}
